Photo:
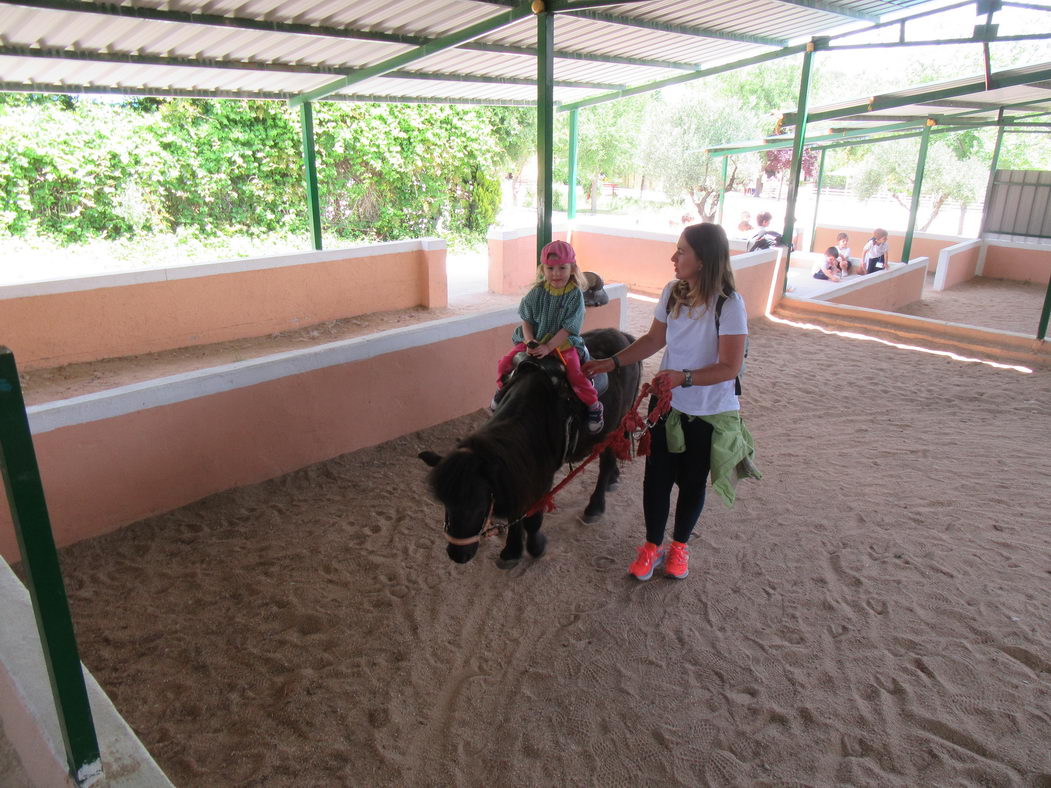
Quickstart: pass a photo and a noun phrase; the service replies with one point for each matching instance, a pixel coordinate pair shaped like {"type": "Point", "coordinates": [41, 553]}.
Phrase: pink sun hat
{"type": "Point", "coordinates": [559, 253]}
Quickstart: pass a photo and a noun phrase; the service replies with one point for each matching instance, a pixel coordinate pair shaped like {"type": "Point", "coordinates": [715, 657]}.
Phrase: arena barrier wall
{"type": "Point", "coordinates": [111, 458]}
{"type": "Point", "coordinates": [927, 245]}
{"type": "Point", "coordinates": [27, 708]}
{"type": "Point", "coordinates": [1006, 347]}
{"type": "Point", "coordinates": [956, 264]}
{"type": "Point", "coordinates": [885, 290]}
{"type": "Point", "coordinates": [638, 258]}
{"type": "Point", "coordinates": [129, 313]}
{"type": "Point", "coordinates": [1022, 261]}
{"type": "Point", "coordinates": [642, 260]}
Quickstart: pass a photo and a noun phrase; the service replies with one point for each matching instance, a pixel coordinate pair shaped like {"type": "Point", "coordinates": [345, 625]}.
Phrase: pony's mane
{"type": "Point", "coordinates": [506, 449]}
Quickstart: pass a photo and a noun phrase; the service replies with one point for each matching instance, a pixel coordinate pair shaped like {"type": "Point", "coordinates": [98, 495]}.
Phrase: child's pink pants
{"type": "Point", "coordinates": [578, 381]}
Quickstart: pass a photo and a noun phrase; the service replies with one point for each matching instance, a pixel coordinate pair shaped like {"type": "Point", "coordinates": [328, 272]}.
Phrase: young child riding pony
{"type": "Point", "coordinates": [552, 315]}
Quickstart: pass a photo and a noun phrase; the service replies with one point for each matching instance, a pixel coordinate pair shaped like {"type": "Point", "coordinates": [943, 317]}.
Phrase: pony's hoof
{"type": "Point", "coordinates": [589, 517]}
{"type": "Point", "coordinates": [612, 486]}
{"type": "Point", "coordinates": [536, 545]}
{"type": "Point", "coordinates": [509, 557]}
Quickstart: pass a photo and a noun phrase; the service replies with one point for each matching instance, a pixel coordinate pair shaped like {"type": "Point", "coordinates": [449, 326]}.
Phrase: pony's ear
{"type": "Point", "coordinates": [430, 457]}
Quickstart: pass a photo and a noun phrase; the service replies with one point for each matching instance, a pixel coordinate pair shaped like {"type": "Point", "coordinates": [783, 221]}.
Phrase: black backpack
{"type": "Point", "coordinates": [767, 240]}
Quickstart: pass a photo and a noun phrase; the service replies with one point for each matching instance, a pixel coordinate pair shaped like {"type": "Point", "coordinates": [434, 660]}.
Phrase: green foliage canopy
{"type": "Point", "coordinates": [75, 170]}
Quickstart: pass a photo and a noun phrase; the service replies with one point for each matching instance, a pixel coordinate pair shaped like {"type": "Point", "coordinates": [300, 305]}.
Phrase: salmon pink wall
{"type": "Point", "coordinates": [957, 264]}
{"type": "Point", "coordinates": [642, 260]}
{"type": "Point", "coordinates": [887, 290]}
{"type": "Point", "coordinates": [89, 318]}
{"type": "Point", "coordinates": [513, 259]}
{"type": "Point", "coordinates": [1020, 262]}
{"type": "Point", "coordinates": [112, 458]}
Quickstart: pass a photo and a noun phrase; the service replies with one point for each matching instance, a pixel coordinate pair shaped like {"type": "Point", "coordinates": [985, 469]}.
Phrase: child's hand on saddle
{"type": "Point", "coordinates": [538, 350]}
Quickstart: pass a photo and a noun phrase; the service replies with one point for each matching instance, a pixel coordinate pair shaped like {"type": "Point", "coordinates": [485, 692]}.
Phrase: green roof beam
{"type": "Point", "coordinates": [701, 73]}
{"type": "Point", "coordinates": [900, 21]}
{"type": "Point", "coordinates": [828, 8]}
{"type": "Point", "coordinates": [686, 30]}
{"type": "Point", "coordinates": [1001, 79]}
{"type": "Point", "coordinates": [469, 33]}
{"type": "Point", "coordinates": [290, 68]}
{"type": "Point", "coordinates": [216, 20]}
{"type": "Point", "coordinates": [319, 31]}
{"type": "Point", "coordinates": [103, 90]}
{"type": "Point", "coordinates": [993, 38]}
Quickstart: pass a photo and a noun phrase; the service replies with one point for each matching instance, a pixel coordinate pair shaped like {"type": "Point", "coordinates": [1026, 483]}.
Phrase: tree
{"type": "Point", "coordinates": [890, 167]}
{"type": "Point", "coordinates": [676, 137]}
{"type": "Point", "coordinates": [607, 143]}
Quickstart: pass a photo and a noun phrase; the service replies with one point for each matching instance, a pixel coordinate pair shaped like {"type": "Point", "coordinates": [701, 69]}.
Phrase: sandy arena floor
{"type": "Point", "coordinates": [874, 612]}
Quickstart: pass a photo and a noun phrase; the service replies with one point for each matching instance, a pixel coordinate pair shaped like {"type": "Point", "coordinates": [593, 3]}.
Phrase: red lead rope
{"type": "Point", "coordinates": [621, 440]}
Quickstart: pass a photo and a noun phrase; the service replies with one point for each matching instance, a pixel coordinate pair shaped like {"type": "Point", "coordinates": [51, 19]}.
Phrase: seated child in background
{"type": "Point", "coordinates": [552, 315]}
{"type": "Point", "coordinates": [829, 270]}
{"type": "Point", "coordinates": [874, 256]}
{"type": "Point", "coordinates": [843, 244]}
{"type": "Point", "coordinates": [846, 268]}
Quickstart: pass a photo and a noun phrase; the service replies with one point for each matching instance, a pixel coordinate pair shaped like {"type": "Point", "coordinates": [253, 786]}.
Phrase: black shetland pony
{"type": "Point", "coordinates": [508, 465]}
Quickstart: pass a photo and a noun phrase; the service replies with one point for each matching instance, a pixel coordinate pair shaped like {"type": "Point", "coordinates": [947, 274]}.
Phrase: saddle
{"type": "Point", "coordinates": [556, 372]}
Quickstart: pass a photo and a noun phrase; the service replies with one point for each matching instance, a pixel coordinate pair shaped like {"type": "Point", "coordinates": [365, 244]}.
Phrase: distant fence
{"type": "Point", "coordinates": [1020, 204]}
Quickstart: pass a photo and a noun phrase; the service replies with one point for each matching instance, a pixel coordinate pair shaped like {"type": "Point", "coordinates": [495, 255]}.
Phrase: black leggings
{"type": "Point", "coordinates": [688, 470]}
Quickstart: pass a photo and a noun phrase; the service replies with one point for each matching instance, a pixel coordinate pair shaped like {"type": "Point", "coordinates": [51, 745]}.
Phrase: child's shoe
{"type": "Point", "coordinates": [678, 563]}
{"type": "Point", "coordinates": [595, 420]}
{"type": "Point", "coordinates": [649, 558]}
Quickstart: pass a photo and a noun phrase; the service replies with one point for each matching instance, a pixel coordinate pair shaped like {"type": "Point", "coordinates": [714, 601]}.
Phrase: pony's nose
{"type": "Point", "coordinates": [461, 554]}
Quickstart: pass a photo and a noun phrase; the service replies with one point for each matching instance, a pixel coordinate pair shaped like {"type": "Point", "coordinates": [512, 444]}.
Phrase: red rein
{"type": "Point", "coordinates": [621, 440]}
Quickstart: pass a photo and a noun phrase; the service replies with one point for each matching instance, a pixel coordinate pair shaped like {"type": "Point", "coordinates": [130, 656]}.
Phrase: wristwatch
{"type": "Point", "coordinates": [688, 381]}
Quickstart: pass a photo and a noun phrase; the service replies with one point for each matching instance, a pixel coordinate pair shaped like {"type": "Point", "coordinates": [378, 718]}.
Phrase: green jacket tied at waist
{"type": "Point", "coordinates": [733, 449]}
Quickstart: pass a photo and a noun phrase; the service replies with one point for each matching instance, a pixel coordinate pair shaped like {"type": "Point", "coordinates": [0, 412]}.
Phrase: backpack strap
{"type": "Point", "coordinates": [718, 313]}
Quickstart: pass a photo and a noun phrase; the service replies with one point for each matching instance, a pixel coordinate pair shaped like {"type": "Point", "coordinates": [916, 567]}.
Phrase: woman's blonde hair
{"type": "Point", "coordinates": [709, 243]}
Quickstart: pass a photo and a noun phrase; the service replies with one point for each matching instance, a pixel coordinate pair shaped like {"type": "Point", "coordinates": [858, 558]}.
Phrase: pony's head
{"type": "Point", "coordinates": [460, 482]}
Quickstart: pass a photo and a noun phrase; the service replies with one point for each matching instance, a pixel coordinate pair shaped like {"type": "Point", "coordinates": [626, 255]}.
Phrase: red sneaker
{"type": "Point", "coordinates": [649, 558]}
{"type": "Point", "coordinates": [678, 563]}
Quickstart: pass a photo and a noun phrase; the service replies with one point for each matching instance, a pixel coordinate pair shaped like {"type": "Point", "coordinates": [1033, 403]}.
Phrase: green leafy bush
{"type": "Point", "coordinates": [75, 170]}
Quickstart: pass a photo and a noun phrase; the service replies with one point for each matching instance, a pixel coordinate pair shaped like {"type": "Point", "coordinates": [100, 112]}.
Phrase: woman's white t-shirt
{"type": "Point", "coordinates": [692, 343]}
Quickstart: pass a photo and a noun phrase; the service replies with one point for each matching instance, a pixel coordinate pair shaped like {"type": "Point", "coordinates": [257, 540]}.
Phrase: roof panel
{"type": "Point", "coordinates": [631, 44]}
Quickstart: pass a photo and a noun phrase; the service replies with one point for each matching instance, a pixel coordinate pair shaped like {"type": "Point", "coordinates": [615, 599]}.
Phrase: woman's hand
{"type": "Point", "coordinates": [667, 379]}
{"type": "Point", "coordinates": [597, 366]}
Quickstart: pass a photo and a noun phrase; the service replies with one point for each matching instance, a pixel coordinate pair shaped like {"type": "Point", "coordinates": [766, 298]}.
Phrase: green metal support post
{"type": "Point", "coordinates": [25, 497]}
{"type": "Point", "coordinates": [817, 195]}
{"type": "Point", "coordinates": [1041, 331]}
{"type": "Point", "coordinates": [722, 189]}
{"type": "Point", "coordinates": [545, 117]}
{"type": "Point", "coordinates": [992, 173]}
{"type": "Point", "coordinates": [917, 189]}
{"type": "Point", "coordinates": [571, 202]}
{"type": "Point", "coordinates": [306, 115]}
{"type": "Point", "coordinates": [798, 145]}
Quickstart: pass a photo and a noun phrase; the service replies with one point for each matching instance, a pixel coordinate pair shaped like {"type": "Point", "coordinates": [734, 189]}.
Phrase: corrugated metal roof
{"type": "Point", "coordinates": [282, 48]}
